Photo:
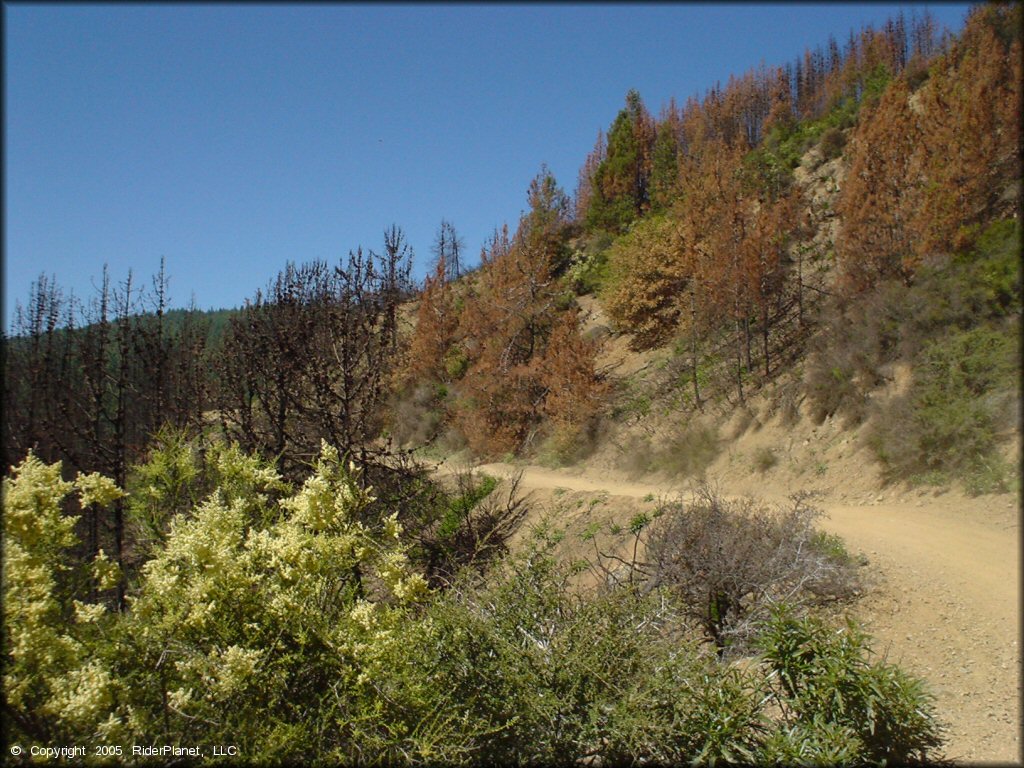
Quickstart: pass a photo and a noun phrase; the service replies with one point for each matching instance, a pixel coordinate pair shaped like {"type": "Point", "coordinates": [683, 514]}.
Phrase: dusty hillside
{"type": "Point", "coordinates": [649, 384]}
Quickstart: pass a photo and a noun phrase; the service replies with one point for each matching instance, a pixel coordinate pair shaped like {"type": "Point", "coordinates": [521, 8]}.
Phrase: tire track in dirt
{"type": "Point", "coordinates": [946, 604]}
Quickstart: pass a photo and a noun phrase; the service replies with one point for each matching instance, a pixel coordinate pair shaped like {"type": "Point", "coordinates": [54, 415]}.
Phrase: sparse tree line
{"type": "Point", "coordinates": [89, 383]}
{"type": "Point", "coordinates": [307, 360]}
{"type": "Point", "coordinates": [635, 169]}
{"type": "Point", "coordinates": [310, 359]}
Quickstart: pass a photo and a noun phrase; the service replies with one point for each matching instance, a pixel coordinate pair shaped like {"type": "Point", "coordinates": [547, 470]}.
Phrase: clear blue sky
{"type": "Point", "coordinates": [231, 139]}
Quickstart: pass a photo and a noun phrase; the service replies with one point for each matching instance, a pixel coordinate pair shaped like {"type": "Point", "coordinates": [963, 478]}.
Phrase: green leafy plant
{"type": "Point", "coordinates": [819, 674]}
{"type": "Point", "coordinates": [832, 142]}
{"type": "Point", "coordinates": [467, 527]}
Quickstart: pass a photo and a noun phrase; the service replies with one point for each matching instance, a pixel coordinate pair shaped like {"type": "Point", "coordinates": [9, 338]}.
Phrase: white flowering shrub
{"type": "Point", "coordinates": [261, 614]}
{"type": "Point", "coordinates": [259, 608]}
{"type": "Point", "coordinates": [54, 688]}
{"type": "Point", "coordinates": [181, 473]}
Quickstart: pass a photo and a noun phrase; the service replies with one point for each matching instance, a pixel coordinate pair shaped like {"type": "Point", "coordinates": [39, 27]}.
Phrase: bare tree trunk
{"type": "Point", "coordinates": [764, 340]}
{"type": "Point", "coordinates": [693, 348]}
{"type": "Point", "coordinates": [121, 437]}
{"type": "Point", "coordinates": [739, 361]}
{"type": "Point", "coordinates": [800, 287]}
{"type": "Point", "coordinates": [747, 336]}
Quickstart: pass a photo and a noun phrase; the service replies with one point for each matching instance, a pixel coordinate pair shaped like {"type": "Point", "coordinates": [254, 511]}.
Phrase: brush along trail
{"type": "Point", "coordinates": [946, 597]}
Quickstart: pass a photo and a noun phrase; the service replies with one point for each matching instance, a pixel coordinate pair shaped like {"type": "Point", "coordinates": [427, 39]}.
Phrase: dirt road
{"type": "Point", "coordinates": [947, 602]}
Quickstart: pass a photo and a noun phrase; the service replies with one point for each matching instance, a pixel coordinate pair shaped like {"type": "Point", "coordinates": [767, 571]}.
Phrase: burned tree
{"type": "Point", "coordinates": [309, 359]}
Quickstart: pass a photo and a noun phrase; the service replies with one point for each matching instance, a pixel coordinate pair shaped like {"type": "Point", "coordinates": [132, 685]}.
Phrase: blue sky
{"type": "Point", "coordinates": [231, 139]}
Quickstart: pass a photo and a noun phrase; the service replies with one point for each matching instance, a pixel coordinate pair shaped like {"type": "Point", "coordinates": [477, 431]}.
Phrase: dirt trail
{"type": "Point", "coordinates": [947, 602]}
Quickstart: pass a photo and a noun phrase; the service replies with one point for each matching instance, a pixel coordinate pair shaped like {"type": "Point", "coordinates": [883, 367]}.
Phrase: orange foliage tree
{"type": "Point", "coordinates": [436, 326]}
{"type": "Point", "coordinates": [510, 322]}
{"type": "Point", "coordinates": [771, 227]}
{"type": "Point", "coordinates": [927, 167]}
{"type": "Point", "coordinates": [970, 131]}
{"type": "Point", "coordinates": [573, 392]}
{"type": "Point", "coordinates": [717, 228]}
{"type": "Point", "coordinates": [880, 191]}
{"type": "Point", "coordinates": [649, 276]}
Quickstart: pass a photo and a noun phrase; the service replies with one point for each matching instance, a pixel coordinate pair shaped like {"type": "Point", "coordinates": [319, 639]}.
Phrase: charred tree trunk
{"type": "Point", "coordinates": [739, 361]}
{"type": "Point", "coordinates": [764, 340]}
{"type": "Point", "coordinates": [747, 339]}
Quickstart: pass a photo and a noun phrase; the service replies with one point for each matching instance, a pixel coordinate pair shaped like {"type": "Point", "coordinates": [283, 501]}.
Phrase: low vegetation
{"type": "Point", "coordinates": [272, 618]}
{"type": "Point", "coordinates": [730, 563]}
{"type": "Point", "coordinates": [956, 329]}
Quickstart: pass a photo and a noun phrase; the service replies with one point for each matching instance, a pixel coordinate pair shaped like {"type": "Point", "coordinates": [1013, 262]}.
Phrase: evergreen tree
{"type": "Point", "coordinates": [619, 192]}
{"type": "Point", "coordinates": [664, 184]}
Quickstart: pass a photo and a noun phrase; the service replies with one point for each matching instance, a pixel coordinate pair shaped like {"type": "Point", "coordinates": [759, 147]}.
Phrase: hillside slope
{"type": "Point", "coordinates": [945, 566]}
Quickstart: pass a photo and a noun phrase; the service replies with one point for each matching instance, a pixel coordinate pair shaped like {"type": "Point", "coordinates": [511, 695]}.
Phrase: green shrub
{"type": "Point", "coordinates": [589, 266]}
{"type": "Point", "coordinates": [565, 301]}
{"type": "Point", "coordinates": [465, 523]}
{"type": "Point", "coordinates": [764, 459]}
{"type": "Point", "coordinates": [875, 83]}
{"type": "Point", "coordinates": [771, 165]}
{"type": "Point", "coordinates": [991, 474]}
{"type": "Point", "coordinates": [832, 142]}
{"type": "Point", "coordinates": [833, 547]}
{"type": "Point", "coordinates": [976, 287]}
{"type": "Point", "coordinates": [876, 712]}
{"type": "Point", "coordinates": [456, 363]}
{"type": "Point", "coordinates": [461, 505]}
{"type": "Point", "coordinates": [957, 327]}
{"type": "Point", "coordinates": [634, 407]}
{"type": "Point", "coordinates": [949, 420]}
{"type": "Point", "coordinates": [845, 359]}
{"type": "Point", "coordinates": [535, 672]}
{"type": "Point", "coordinates": [822, 744]}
